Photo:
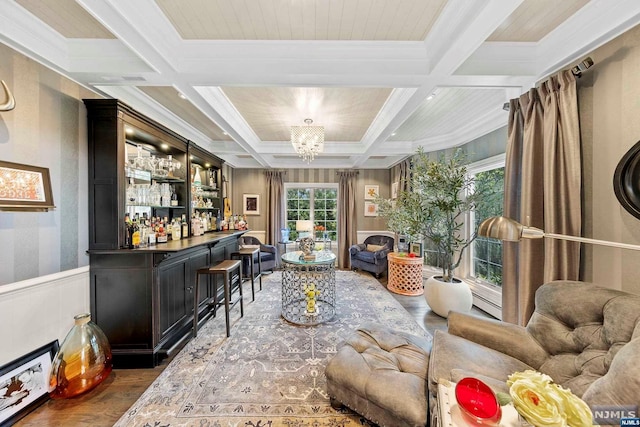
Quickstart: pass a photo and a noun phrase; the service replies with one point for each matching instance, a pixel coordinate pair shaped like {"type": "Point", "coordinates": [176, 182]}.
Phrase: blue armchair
{"type": "Point", "coordinates": [268, 253]}
{"type": "Point", "coordinates": [371, 255]}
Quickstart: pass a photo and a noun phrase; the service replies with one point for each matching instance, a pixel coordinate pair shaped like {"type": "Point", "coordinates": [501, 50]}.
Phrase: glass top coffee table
{"type": "Point", "coordinates": [308, 288]}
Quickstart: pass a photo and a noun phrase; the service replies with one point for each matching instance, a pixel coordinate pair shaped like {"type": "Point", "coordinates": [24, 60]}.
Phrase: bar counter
{"type": "Point", "coordinates": [143, 298]}
{"type": "Point", "coordinates": [209, 238]}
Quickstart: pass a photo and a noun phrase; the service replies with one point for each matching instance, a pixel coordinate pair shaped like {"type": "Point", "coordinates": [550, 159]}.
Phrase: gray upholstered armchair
{"type": "Point", "coordinates": [371, 255]}
{"type": "Point", "coordinates": [585, 337]}
{"type": "Point", "coordinates": [268, 253]}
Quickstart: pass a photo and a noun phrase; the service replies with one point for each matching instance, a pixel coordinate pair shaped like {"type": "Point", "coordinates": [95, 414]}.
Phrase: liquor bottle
{"type": "Point", "coordinates": [185, 226]}
{"type": "Point", "coordinates": [232, 225]}
{"type": "Point", "coordinates": [175, 229]}
{"type": "Point", "coordinates": [162, 235]}
{"type": "Point", "coordinates": [135, 234]}
{"type": "Point", "coordinates": [127, 231]}
{"type": "Point", "coordinates": [218, 221]}
{"type": "Point", "coordinates": [167, 227]}
{"type": "Point", "coordinates": [151, 234]}
{"type": "Point", "coordinates": [174, 197]}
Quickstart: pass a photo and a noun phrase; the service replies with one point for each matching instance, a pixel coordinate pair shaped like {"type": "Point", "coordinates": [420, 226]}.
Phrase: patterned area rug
{"type": "Point", "coordinates": [269, 372]}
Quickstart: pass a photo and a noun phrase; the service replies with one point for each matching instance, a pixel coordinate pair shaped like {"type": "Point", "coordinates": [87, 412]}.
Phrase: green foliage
{"type": "Point", "coordinates": [441, 193]}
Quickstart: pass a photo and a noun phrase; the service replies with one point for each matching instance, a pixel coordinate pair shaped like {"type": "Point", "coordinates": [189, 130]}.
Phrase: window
{"type": "Point", "coordinates": [486, 254]}
{"type": "Point", "coordinates": [315, 202]}
{"type": "Point", "coordinates": [483, 262]}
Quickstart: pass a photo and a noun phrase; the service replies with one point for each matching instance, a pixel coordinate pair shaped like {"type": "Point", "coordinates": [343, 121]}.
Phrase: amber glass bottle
{"type": "Point", "coordinates": [83, 361]}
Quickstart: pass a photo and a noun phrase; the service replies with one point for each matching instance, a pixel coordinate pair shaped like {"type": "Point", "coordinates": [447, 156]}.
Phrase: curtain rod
{"type": "Point", "coordinates": [576, 70]}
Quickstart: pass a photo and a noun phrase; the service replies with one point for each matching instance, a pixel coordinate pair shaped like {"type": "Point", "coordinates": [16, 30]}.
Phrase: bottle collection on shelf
{"type": "Point", "coordinates": [142, 232]}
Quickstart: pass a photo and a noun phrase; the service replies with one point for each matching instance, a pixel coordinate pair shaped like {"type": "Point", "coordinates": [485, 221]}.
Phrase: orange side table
{"type": "Point", "coordinates": [405, 274]}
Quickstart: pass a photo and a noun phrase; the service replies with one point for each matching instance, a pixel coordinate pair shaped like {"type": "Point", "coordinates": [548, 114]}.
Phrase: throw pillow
{"type": "Point", "coordinates": [374, 248]}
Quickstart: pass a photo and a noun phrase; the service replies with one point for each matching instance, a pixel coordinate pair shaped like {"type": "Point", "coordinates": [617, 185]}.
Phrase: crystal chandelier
{"type": "Point", "coordinates": [307, 140]}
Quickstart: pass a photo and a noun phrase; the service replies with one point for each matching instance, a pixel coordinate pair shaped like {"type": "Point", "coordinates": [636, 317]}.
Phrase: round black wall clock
{"type": "Point", "coordinates": [626, 181]}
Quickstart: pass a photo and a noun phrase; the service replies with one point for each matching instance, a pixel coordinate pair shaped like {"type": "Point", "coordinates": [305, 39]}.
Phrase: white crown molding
{"type": "Point", "coordinates": [487, 123]}
{"type": "Point", "coordinates": [595, 24]}
{"type": "Point", "coordinates": [24, 32]}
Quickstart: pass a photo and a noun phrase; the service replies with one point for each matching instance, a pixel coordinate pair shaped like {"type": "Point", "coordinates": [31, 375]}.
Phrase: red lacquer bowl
{"type": "Point", "coordinates": [477, 402]}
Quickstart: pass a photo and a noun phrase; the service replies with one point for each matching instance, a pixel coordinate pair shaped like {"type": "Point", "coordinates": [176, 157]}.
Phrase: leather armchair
{"type": "Point", "coordinates": [585, 337]}
{"type": "Point", "coordinates": [268, 253]}
{"type": "Point", "coordinates": [371, 255]}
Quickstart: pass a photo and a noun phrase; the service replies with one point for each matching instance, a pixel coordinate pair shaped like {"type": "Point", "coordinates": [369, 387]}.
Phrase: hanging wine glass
{"type": "Point", "coordinates": [152, 164]}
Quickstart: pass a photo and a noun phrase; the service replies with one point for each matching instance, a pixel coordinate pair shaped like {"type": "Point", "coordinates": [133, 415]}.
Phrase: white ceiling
{"type": "Point", "coordinates": [382, 76]}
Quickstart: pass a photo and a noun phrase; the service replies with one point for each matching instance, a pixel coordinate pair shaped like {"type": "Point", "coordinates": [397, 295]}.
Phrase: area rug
{"type": "Point", "coordinates": [269, 372]}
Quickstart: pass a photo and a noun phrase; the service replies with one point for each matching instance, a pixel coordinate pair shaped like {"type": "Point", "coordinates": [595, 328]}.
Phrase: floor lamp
{"type": "Point", "coordinates": [502, 228]}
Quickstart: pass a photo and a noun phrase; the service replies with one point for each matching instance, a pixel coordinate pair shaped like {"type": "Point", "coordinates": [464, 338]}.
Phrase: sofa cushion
{"type": "Point", "coordinates": [365, 256]}
{"type": "Point", "coordinates": [374, 248]}
{"type": "Point", "coordinates": [453, 358]}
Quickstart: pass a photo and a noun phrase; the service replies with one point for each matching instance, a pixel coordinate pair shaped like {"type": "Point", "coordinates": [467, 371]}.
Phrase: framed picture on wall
{"type": "Point", "coordinates": [394, 190]}
{"type": "Point", "coordinates": [251, 204]}
{"type": "Point", "coordinates": [371, 191]}
{"type": "Point", "coordinates": [370, 209]}
{"type": "Point", "coordinates": [24, 383]}
{"type": "Point", "coordinates": [24, 187]}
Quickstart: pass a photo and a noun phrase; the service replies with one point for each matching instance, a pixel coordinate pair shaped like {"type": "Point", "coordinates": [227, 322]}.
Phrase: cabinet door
{"type": "Point", "coordinates": [176, 294]}
{"type": "Point", "coordinates": [198, 260]}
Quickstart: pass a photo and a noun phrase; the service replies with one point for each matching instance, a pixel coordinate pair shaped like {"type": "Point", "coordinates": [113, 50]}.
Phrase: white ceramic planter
{"type": "Point", "coordinates": [444, 296]}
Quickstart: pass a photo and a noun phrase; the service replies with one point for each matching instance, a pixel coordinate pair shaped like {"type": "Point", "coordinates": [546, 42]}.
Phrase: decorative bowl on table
{"type": "Point", "coordinates": [477, 402]}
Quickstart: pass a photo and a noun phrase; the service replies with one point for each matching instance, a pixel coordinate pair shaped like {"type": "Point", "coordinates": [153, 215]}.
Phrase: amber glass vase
{"type": "Point", "coordinates": [83, 361]}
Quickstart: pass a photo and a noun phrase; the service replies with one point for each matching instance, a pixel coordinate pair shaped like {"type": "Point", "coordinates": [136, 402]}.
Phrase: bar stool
{"type": "Point", "coordinates": [231, 271]}
{"type": "Point", "coordinates": [250, 253]}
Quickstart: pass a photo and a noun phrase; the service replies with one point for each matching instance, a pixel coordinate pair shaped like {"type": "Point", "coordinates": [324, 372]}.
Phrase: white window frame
{"type": "Point", "coordinates": [307, 185]}
{"type": "Point", "coordinates": [486, 296]}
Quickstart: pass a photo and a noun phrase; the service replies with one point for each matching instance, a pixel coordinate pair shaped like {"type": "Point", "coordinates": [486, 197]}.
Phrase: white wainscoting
{"type": "Point", "coordinates": [37, 311]}
{"type": "Point", "coordinates": [361, 235]}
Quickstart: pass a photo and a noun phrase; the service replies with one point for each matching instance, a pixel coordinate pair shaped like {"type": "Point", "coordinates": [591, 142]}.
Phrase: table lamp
{"type": "Point", "coordinates": [502, 228]}
{"type": "Point", "coordinates": [304, 228]}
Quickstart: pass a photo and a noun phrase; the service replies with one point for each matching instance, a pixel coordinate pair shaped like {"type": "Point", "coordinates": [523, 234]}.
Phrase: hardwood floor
{"type": "Point", "coordinates": [105, 404]}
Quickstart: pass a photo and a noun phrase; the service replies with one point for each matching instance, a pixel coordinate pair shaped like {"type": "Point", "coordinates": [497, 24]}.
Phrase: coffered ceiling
{"type": "Point", "coordinates": [382, 76]}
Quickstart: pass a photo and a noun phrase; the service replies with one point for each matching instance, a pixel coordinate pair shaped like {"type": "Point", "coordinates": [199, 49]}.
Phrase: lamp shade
{"type": "Point", "coordinates": [304, 225]}
{"type": "Point", "coordinates": [500, 227]}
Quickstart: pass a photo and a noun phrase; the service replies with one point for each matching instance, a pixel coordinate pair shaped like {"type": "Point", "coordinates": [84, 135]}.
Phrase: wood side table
{"type": "Point", "coordinates": [405, 274]}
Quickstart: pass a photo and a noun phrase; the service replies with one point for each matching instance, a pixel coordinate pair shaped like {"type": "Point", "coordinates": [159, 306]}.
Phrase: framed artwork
{"type": "Point", "coordinates": [371, 192]}
{"type": "Point", "coordinates": [251, 204]}
{"type": "Point", "coordinates": [370, 209]}
{"type": "Point", "coordinates": [394, 190]}
{"type": "Point", "coordinates": [24, 187]}
{"type": "Point", "coordinates": [24, 383]}
{"type": "Point", "coordinates": [416, 248]}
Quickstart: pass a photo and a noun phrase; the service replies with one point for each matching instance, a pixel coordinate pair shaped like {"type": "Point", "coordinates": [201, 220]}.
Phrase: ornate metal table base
{"type": "Point", "coordinates": [308, 289]}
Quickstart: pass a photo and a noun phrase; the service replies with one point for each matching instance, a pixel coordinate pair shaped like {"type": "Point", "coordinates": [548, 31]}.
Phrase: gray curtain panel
{"type": "Point", "coordinates": [275, 206]}
{"type": "Point", "coordinates": [543, 188]}
{"type": "Point", "coordinates": [347, 219]}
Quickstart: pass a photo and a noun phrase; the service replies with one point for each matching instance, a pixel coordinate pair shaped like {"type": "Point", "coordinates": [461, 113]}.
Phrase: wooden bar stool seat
{"type": "Point", "coordinates": [251, 254]}
{"type": "Point", "coordinates": [231, 272]}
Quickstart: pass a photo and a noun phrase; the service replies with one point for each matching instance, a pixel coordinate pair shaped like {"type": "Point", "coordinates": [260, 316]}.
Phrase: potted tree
{"type": "Point", "coordinates": [441, 193]}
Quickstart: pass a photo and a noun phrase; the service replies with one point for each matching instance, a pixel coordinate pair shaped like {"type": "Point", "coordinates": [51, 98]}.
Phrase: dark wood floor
{"type": "Point", "coordinates": [105, 404]}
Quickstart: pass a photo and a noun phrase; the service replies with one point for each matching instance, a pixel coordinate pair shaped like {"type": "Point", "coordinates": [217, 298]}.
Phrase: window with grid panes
{"type": "Point", "coordinates": [318, 204]}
